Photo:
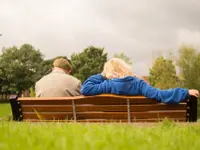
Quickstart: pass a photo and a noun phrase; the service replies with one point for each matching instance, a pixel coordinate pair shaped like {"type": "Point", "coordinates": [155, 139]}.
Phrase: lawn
{"type": "Point", "coordinates": [4, 109]}
{"type": "Point", "coordinates": [62, 136]}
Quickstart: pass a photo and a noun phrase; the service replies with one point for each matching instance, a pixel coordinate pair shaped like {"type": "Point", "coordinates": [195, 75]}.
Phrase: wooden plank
{"type": "Point", "coordinates": [83, 97]}
{"type": "Point", "coordinates": [105, 108]}
{"type": "Point", "coordinates": [159, 106]}
{"type": "Point", "coordinates": [47, 108]}
{"type": "Point", "coordinates": [96, 101]}
{"type": "Point", "coordinates": [105, 115]}
{"type": "Point", "coordinates": [105, 97]}
{"type": "Point", "coordinates": [48, 116]}
{"type": "Point", "coordinates": [108, 121]}
{"type": "Point", "coordinates": [136, 120]}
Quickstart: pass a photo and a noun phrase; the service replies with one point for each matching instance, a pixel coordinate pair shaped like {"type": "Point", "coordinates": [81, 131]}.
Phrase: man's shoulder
{"type": "Point", "coordinates": [62, 77]}
{"type": "Point", "coordinates": [42, 78]}
{"type": "Point", "coordinates": [72, 78]}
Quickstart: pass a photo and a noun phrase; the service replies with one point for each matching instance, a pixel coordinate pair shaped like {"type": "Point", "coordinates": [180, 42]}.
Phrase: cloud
{"type": "Point", "coordinates": [188, 36]}
{"type": "Point", "coordinates": [137, 28]}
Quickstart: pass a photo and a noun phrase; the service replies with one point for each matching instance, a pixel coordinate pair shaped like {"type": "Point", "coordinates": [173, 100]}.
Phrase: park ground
{"type": "Point", "coordinates": [51, 136]}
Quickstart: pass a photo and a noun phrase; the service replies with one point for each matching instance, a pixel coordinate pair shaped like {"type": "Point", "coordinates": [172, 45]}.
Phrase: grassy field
{"type": "Point", "coordinates": [5, 109]}
{"type": "Point", "coordinates": [52, 136]}
{"type": "Point", "coordinates": [62, 136]}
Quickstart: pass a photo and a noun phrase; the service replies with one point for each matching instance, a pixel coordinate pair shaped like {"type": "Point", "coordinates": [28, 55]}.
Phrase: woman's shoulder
{"type": "Point", "coordinates": [127, 78]}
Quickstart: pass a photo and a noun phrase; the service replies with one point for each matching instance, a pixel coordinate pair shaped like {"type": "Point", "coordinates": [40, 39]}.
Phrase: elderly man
{"type": "Point", "coordinates": [59, 82]}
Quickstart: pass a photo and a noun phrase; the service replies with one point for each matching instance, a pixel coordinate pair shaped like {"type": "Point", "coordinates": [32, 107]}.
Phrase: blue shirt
{"type": "Point", "coordinates": [131, 86]}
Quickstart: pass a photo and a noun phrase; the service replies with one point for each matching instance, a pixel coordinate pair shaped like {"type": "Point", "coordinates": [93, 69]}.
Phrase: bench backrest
{"type": "Point", "coordinates": [101, 108]}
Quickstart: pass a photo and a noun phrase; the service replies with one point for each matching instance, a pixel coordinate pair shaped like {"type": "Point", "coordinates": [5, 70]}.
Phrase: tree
{"type": "Point", "coordinates": [88, 62]}
{"type": "Point", "coordinates": [124, 57]}
{"type": "Point", "coordinates": [18, 66]}
{"type": "Point", "coordinates": [163, 74]}
{"type": "Point", "coordinates": [189, 65]}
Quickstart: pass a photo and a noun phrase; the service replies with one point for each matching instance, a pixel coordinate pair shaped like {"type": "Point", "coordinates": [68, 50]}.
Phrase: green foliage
{"type": "Point", "coordinates": [124, 57]}
{"type": "Point", "coordinates": [32, 92]}
{"type": "Point", "coordinates": [163, 74]}
{"type": "Point", "coordinates": [19, 67]}
{"type": "Point", "coordinates": [88, 62]}
{"type": "Point", "coordinates": [189, 64]}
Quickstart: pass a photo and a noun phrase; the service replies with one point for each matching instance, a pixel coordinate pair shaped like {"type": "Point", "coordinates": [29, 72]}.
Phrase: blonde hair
{"type": "Point", "coordinates": [116, 68]}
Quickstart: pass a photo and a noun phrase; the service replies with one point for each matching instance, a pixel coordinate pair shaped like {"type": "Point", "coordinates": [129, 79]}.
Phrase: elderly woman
{"type": "Point", "coordinates": [117, 78]}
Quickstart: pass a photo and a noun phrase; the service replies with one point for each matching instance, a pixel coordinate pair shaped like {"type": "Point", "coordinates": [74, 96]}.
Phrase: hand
{"type": "Point", "coordinates": [193, 92]}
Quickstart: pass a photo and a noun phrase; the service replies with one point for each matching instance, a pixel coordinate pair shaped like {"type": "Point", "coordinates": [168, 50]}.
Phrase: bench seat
{"type": "Point", "coordinates": [101, 108]}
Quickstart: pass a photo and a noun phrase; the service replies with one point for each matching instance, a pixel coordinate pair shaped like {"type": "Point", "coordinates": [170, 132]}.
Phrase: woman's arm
{"type": "Point", "coordinates": [170, 96]}
{"type": "Point", "coordinates": [95, 85]}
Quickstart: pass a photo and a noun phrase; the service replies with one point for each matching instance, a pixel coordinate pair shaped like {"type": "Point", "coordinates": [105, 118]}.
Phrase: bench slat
{"type": "Point", "coordinates": [105, 115]}
{"type": "Point", "coordinates": [106, 108]}
{"type": "Point", "coordinates": [109, 121]}
{"type": "Point", "coordinates": [82, 97]}
{"type": "Point", "coordinates": [100, 101]}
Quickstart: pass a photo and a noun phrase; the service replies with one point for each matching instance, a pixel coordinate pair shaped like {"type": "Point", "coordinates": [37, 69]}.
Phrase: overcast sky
{"type": "Point", "coordinates": [138, 28]}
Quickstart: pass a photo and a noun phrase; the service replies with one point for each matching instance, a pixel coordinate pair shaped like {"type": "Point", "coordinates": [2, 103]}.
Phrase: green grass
{"type": "Point", "coordinates": [63, 136]}
{"type": "Point", "coordinates": [5, 109]}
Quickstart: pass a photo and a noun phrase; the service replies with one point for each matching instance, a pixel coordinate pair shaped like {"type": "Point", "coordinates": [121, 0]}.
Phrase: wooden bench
{"type": "Point", "coordinates": [102, 108]}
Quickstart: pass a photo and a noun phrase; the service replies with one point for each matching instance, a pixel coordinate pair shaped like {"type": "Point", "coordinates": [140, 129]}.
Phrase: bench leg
{"type": "Point", "coordinates": [192, 109]}
{"type": "Point", "coordinates": [16, 108]}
